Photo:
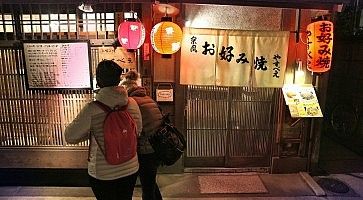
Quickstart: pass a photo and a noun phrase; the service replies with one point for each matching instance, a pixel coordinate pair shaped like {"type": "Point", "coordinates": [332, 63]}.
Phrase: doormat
{"type": "Point", "coordinates": [231, 184]}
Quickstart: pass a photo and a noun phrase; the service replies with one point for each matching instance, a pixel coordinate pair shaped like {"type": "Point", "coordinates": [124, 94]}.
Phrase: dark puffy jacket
{"type": "Point", "coordinates": [151, 117]}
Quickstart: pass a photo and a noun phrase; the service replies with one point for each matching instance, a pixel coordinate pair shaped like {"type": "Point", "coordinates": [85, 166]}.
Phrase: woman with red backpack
{"type": "Point", "coordinates": [108, 181]}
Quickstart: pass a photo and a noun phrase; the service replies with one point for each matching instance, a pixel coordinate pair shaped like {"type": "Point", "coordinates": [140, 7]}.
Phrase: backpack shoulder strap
{"type": "Point", "coordinates": [90, 143]}
{"type": "Point", "coordinates": [103, 106]}
{"type": "Point", "coordinates": [124, 107]}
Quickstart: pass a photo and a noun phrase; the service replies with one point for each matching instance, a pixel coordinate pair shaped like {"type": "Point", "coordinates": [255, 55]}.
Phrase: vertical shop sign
{"type": "Point", "coordinates": [270, 58]}
{"type": "Point", "coordinates": [320, 46]}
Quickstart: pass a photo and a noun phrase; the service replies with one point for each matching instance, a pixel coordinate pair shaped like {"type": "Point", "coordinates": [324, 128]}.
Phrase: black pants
{"type": "Point", "coordinates": [118, 189]}
{"type": "Point", "coordinates": [147, 173]}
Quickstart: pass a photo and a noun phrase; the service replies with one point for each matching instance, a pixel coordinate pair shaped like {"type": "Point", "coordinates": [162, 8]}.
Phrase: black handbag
{"type": "Point", "coordinates": [168, 143]}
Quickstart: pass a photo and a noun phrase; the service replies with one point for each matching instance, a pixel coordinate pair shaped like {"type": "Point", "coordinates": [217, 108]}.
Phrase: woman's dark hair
{"type": "Point", "coordinates": [108, 73]}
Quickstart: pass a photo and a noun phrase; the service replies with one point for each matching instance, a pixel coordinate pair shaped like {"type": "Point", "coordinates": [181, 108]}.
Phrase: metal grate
{"type": "Point", "coordinates": [333, 185]}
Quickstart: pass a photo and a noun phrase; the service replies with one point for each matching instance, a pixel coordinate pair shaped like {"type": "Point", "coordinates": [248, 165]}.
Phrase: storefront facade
{"type": "Point", "coordinates": [227, 127]}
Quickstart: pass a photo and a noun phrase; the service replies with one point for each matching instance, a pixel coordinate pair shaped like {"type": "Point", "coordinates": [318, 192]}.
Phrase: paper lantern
{"type": "Point", "coordinates": [166, 37]}
{"type": "Point", "coordinates": [131, 34]}
{"type": "Point", "coordinates": [319, 46]}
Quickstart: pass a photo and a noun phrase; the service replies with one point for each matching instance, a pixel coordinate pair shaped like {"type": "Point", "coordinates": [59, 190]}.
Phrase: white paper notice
{"type": "Point", "coordinates": [57, 65]}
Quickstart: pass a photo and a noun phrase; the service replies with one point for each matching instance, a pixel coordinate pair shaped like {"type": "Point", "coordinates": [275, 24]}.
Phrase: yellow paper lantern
{"type": "Point", "coordinates": [319, 46]}
{"type": "Point", "coordinates": [166, 37]}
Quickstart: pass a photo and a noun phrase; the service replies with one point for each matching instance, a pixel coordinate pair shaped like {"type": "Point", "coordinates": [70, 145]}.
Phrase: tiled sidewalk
{"type": "Point", "coordinates": [188, 186]}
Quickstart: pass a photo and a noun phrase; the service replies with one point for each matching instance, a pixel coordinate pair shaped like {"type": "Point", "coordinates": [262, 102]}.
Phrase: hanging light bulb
{"type": "Point", "coordinates": [299, 73]}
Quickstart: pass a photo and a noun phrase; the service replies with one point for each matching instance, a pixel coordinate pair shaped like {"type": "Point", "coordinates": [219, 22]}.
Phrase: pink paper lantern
{"type": "Point", "coordinates": [131, 34]}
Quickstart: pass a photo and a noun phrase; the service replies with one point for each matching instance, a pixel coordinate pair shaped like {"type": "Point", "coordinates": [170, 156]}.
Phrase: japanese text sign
{"type": "Point", "coordinates": [319, 46]}
{"type": "Point", "coordinates": [233, 58]}
{"type": "Point", "coordinates": [120, 55]}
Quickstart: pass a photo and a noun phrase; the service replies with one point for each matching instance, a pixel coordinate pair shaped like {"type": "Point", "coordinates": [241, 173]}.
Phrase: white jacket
{"type": "Point", "coordinates": [91, 118]}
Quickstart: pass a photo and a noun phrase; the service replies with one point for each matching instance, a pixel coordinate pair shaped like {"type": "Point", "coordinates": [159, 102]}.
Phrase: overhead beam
{"type": "Point", "coordinates": [301, 4]}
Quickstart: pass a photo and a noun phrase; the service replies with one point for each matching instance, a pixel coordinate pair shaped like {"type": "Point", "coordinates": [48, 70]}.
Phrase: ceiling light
{"type": "Point", "coordinates": [85, 7]}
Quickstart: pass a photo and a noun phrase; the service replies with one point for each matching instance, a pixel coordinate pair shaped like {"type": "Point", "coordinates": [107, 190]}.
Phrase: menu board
{"type": "Point", "coordinates": [57, 65]}
{"type": "Point", "coordinates": [302, 101]}
{"type": "Point", "coordinates": [120, 55]}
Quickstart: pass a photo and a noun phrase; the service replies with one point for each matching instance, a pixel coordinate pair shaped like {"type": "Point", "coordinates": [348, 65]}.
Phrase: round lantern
{"type": "Point", "coordinates": [131, 34]}
{"type": "Point", "coordinates": [319, 46]}
{"type": "Point", "coordinates": [166, 37]}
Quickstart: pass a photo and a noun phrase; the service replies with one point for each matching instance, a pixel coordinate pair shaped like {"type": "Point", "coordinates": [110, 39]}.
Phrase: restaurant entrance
{"type": "Point", "coordinates": [229, 126]}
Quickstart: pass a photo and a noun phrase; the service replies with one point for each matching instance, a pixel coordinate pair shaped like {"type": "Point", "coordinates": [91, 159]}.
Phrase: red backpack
{"type": "Point", "coordinates": [120, 136]}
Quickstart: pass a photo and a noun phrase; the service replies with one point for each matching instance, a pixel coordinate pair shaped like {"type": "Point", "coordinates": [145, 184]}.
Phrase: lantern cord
{"type": "Point", "coordinates": [298, 18]}
{"type": "Point", "coordinates": [166, 11]}
{"type": "Point", "coordinates": [132, 8]}
{"type": "Point", "coordinates": [300, 36]}
{"type": "Point", "coordinates": [302, 40]}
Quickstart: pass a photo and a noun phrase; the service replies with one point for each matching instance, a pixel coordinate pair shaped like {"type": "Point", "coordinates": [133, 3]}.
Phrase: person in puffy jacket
{"type": "Point", "coordinates": [151, 121]}
{"type": "Point", "coordinates": [107, 181]}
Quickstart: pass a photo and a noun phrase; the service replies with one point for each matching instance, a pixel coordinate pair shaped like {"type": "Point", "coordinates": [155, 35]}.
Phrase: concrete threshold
{"type": "Point", "coordinates": [312, 184]}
